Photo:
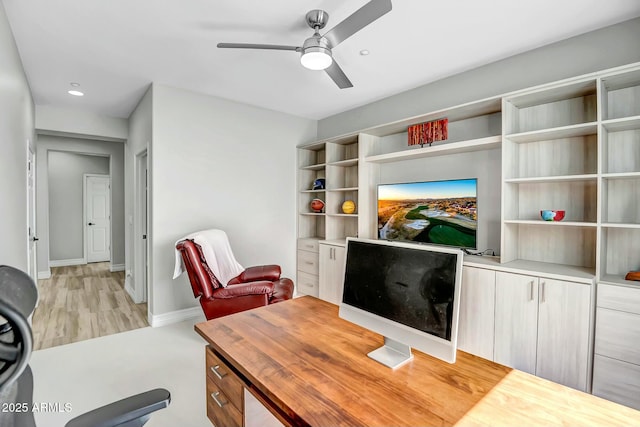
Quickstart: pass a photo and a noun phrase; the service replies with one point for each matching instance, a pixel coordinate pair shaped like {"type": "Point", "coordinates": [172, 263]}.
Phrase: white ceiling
{"type": "Point", "coordinates": [115, 48]}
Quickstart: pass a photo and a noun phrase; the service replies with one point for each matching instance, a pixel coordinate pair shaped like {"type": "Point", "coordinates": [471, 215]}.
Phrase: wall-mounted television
{"type": "Point", "coordinates": [434, 212]}
{"type": "Point", "coordinates": [409, 293]}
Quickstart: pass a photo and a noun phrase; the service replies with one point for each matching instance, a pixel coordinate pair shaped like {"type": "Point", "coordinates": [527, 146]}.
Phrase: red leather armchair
{"type": "Point", "coordinates": [254, 287]}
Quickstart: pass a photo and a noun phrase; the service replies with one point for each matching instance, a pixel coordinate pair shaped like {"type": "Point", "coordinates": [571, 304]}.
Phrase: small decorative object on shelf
{"type": "Point", "coordinates": [633, 275]}
{"type": "Point", "coordinates": [318, 184]}
{"type": "Point", "coordinates": [427, 133]}
{"type": "Point", "coordinates": [316, 205]}
{"type": "Point", "coordinates": [349, 207]}
{"type": "Point", "coordinates": [551, 215]}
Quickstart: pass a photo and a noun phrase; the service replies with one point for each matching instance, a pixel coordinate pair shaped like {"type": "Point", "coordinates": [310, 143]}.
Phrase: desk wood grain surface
{"type": "Point", "coordinates": [313, 366]}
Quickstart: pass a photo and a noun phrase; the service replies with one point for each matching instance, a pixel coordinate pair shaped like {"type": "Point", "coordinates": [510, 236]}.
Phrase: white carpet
{"type": "Point", "coordinates": [92, 373]}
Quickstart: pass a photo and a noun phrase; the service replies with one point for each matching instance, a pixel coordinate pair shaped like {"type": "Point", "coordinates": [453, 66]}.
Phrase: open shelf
{"type": "Point", "coordinates": [345, 163]}
{"type": "Point", "coordinates": [621, 175]}
{"type": "Point", "coordinates": [580, 129]}
{"type": "Point", "coordinates": [551, 223]}
{"type": "Point", "coordinates": [615, 279]}
{"type": "Point", "coordinates": [620, 253]}
{"type": "Point", "coordinates": [315, 167]}
{"type": "Point", "coordinates": [625, 123]}
{"type": "Point", "coordinates": [344, 189]}
{"type": "Point", "coordinates": [561, 178]}
{"type": "Point", "coordinates": [550, 110]}
{"type": "Point", "coordinates": [439, 149]}
{"type": "Point", "coordinates": [621, 225]}
{"type": "Point", "coordinates": [621, 95]}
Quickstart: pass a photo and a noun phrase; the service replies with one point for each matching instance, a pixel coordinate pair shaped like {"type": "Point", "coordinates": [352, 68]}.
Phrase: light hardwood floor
{"type": "Point", "coordinates": [82, 302]}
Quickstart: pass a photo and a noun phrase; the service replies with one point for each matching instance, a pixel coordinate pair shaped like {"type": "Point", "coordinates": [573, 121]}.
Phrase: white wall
{"type": "Point", "coordinates": [598, 50]}
{"type": "Point", "coordinates": [68, 122]}
{"type": "Point", "coordinates": [221, 164]}
{"type": "Point", "coordinates": [16, 128]}
{"type": "Point", "coordinates": [115, 151]}
{"type": "Point", "coordinates": [66, 201]}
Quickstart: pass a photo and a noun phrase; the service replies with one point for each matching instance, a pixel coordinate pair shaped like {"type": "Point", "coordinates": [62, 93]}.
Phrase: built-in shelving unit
{"type": "Point", "coordinates": [572, 145]}
{"type": "Point", "coordinates": [620, 176]}
{"type": "Point", "coordinates": [550, 161]}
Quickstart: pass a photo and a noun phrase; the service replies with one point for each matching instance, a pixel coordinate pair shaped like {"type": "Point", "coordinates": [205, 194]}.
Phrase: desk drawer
{"type": "Point", "coordinates": [309, 245]}
{"type": "Point", "coordinates": [219, 408]}
{"type": "Point", "coordinates": [308, 262]}
{"type": "Point", "coordinates": [619, 298]}
{"type": "Point", "coordinates": [617, 381]}
{"type": "Point", "coordinates": [307, 284]}
{"type": "Point", "coordinates": [224, 378]}
{"type": "Point", "coordinates": [618, 335]}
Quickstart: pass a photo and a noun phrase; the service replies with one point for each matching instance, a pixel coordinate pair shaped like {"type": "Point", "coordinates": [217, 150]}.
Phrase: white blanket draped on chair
{"type": "Point", "coordinates": [217, 252]}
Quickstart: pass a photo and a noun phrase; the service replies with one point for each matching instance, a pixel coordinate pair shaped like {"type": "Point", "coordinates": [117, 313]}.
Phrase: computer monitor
{"type": "Point", "coordinates": [407, 292]}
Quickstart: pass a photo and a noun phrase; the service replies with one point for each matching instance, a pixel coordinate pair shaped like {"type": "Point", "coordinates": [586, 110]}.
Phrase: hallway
{"type": "Point", "coordinates": [82, 302]}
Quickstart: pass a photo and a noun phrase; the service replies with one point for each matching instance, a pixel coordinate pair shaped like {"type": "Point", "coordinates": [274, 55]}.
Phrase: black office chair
{"type": "Point", "coordinates": [18, 297]}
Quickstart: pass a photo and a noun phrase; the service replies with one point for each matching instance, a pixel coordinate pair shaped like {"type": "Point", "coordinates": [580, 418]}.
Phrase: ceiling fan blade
{"type": "Point", "coordinates": [338, 76]}
{"type": "Point", "coordinates": [258, 46]}
{"type": "Point", "coordinates": [357, 21]}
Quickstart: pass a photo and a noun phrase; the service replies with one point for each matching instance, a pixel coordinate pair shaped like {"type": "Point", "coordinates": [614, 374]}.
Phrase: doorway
{"type": "Point", "coordinates": [32, 265]}
{"type": "Point", "coordinates": [141, 230]}
{"type": "Point", "coordinates": [97, 216]}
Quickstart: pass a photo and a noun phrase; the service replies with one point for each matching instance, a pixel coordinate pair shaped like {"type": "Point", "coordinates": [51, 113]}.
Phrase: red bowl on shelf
{"type": "Point", "coordinates": [551, 215]}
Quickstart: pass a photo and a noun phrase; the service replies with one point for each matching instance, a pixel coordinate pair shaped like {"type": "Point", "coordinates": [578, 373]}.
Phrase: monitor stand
{"type": "Point", "coordinates": [392, 354]}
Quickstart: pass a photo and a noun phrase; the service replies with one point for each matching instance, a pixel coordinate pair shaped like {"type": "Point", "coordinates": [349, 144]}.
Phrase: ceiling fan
{"type": "Point", "coordinates": [316, 50]}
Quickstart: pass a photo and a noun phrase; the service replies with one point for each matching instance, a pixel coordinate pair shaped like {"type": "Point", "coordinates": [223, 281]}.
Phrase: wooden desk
{"type": "Point", "coordinates": [311, 368]}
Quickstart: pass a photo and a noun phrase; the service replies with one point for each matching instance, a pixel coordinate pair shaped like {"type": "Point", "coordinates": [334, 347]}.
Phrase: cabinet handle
{"type": "Point", "coordinates": [214, 369]}
{"type": "Point", "coordinates": [332, 253]}
{"type": "Point", "coordinates": [309, 262]}
{"type": "Point", "coordinates": [531, 290]}
{"type": "Point", "coordinates": [214, 396]}
{"type": "Point", "coordinates": [542, 298]}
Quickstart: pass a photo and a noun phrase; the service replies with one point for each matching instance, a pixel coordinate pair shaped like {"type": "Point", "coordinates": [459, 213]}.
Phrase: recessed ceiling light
{"type": "Point", "coordinates": [364, 52]}
{"type": "Point", "coordinates": [74, 84]}
{"type": "Point", "coordinates": [75, 93]}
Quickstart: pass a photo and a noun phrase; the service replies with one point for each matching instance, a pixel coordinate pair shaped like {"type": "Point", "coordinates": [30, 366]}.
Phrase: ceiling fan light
{"type": "Point", "coordinates": [316, 58]}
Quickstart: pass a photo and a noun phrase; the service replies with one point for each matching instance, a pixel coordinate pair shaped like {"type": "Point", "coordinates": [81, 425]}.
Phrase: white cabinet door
{"type": "Point", "coordinates": [563, 332]}
{"type": "Point", "coordinates": [516, 326]}
{"type": "Point", "coordinates": [477, 311]}
{"type": "Point", "coordinates": [332, 265]}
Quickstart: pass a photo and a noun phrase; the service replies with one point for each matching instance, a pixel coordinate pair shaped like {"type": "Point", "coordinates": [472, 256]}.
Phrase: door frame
{"type": "Point", "coordinates": [141, 291]}
{"type": "Point", "coordinates": [84, 214]}
{"type": "Point", "coordinates": [32, 252]}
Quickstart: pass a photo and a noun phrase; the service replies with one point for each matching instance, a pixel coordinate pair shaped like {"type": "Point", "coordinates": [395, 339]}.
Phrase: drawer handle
{"type": "Point", "coordinates": [214, 369]}
{"type": "Point", "coordinates": [309, 246]}
{"type": "Point", "coordinates": [214, 396]}
{"type": "Point", "coordinates": [309, 262]}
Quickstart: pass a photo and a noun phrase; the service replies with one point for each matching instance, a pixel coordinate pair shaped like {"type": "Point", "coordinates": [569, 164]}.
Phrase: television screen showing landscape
{"type": "Point", "coordinates": [436, 212]}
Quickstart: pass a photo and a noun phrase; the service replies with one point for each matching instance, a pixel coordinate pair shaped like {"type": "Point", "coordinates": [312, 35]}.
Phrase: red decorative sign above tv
{"type": "Point", "coordinates": [426, 133]}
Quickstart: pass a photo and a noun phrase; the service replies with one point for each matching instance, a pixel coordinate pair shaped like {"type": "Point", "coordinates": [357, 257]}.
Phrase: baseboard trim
{"type": "Point", "coordinates": [193, 313]}
{"type": "Point", "coordinates": [116, 267]}
{"type": "Point", "coordinates": [44, 274]}
{"type": "Point", "coordinates": [67, 262]}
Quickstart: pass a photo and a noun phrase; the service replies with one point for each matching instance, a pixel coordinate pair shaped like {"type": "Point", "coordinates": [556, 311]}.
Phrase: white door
{"type": "Point", "coordinates": [31, 212]}
{"type": "Point", "coordinates": [140, 231]}
{"type": "Point", "coordinates": [516, 330]}
{"type": "Point", "coordinates": [98, 218]}
{"type": "Point", "coordinates": [563, 333]}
